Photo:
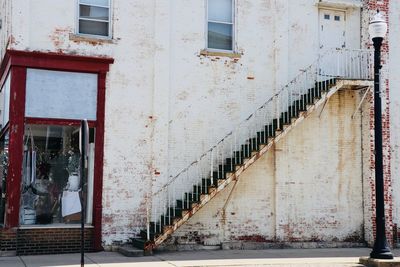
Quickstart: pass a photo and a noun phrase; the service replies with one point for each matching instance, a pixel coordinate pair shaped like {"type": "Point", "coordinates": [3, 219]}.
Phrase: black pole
{"type": "Point", "coordinates": [84, 150]}
{"type": "Point", "coordinates": [381, 248]}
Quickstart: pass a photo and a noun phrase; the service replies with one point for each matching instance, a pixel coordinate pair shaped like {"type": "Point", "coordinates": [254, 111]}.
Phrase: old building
{"type": "Point", "coordinates": [228, 123]}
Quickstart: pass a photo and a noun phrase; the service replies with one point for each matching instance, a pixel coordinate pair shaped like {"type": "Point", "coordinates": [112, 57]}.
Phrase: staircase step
{"type": "Point", "coordinates": [139, 243]}
{"type": "Point", "coordinates": [285, 118]}
{"type": "Point", "coordinates": [238, 157]}
{"type": "Point", "coordinates": [293, 112]}
{"type": "Point", "coordinates": [262, 138]}
{"type": "Point", "coordinates": [185, 204]}
{"type": "Point", "coordinates": [130, 251]}
{"type": "Point", "coordinates": [246, 151]}
{"type": "Point", "coordinates": [159, 225]}
{"type": "Point", "coordinates": [143, 235]}
{"type": "Point", "coordinates": [270, 130]}
{"type": "Point", "coordinates": [175, 212]}
{"type": "Point", "coordinates": [206, 182]}
{"type": "Point", "coordinates": [200, 189]}
{"type": "Point", "coordinates": [167, 220]}
{"type": "Point", "coordinates": [192, 197]}
{"type": "Point", "coordinates": [232, 162]}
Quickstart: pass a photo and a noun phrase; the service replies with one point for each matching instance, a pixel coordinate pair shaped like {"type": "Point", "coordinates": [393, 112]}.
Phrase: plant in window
{"type": "Point", "coordinates": [73, 162]}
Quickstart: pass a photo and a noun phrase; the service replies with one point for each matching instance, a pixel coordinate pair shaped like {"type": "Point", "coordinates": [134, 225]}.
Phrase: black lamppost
{"type": "Point", "coordinates": [381, 250]}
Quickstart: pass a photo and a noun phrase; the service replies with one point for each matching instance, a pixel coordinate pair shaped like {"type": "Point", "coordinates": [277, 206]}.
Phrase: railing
{"type": "Point", "coordinates": [339, 64]}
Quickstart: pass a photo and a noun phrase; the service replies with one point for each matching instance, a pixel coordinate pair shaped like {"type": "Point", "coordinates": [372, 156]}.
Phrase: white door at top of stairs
{"type": "Point", "coordinates": [332, 35]}
{"type": "Point", "coordinates": [332, 29]}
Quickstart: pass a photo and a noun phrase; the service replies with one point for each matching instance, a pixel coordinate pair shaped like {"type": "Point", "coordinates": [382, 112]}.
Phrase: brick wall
{"type": "Point", "coordinates": [306, 191]}
{"type": "Point", "coordinates": [7, 241]}
{"type": "Point", "coordinates": [394, 83]}
{"type": "Point", "coordinates": [44, 241]}
{"type": "Point", "coordinates": [370, 7]}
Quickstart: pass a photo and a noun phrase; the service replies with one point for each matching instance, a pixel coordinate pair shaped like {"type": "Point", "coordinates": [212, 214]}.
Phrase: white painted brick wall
{"type": "Point", "coordinates": [306, 188]}
{"type": "Point", "coordinates": [394, 36]}
{"type": "Point", "coordinates": [165, 103]}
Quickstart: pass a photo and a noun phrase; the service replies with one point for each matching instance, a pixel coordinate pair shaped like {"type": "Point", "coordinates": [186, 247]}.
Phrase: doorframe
{"type": "Point", "coordinates": [344, 10]}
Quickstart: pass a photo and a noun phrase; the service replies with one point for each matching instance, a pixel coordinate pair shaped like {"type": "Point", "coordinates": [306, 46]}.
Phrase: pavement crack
{"type": "Point", "coordinates": [23, 262]}
{"type": "Point", "coordinates": [165, 260]}
{"type": "Point", "coordinates": [93, 262]}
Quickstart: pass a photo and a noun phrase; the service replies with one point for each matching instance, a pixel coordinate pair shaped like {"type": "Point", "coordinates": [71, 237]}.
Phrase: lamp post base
{"type": "Point", "coordinates": [369, 262]}
{"type": "Point", "coordinates": [383, 254]}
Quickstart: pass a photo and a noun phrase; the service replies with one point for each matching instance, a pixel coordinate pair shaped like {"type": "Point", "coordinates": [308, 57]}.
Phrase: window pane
{"type": "Point", "coordinates": [95, 2]}
{"type": "Point", "coordinates": [3, 174]}
{"type": "Point", "coordinates": [89, 12]}
{"type": "Point", "coordinates": [73, 95]}
{"type": "Point", "coordinates": [5, 102]}
{"type": "Point", "coordinates": [219, 36]}
{"type": "Point", "coordinates": [50, 176]}
{"type": "Point", "coordinates": [93, 27]}
{"type": "Point", "coordinates": [220, 10]}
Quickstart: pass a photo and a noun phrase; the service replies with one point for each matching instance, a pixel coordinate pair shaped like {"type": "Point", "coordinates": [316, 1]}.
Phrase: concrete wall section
{"type": "Point", "coordinates": [166, 104]}
{"type": "Point", "coordinates": [394, 83]}
{"type": "Point", "coordinates": [307, 188]}
{"type": "Point", "coordinates": [319, 181]}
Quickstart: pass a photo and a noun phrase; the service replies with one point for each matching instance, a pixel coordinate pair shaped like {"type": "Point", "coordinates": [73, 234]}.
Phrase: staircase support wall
{"type": "Point", "coordinates": [305, 190]}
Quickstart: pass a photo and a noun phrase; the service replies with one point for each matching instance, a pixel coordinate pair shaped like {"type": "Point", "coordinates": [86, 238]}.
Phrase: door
{"type": "Point", "coordinates": [332, 35]}
{"type": "Point", "coordinates": [332, 29]}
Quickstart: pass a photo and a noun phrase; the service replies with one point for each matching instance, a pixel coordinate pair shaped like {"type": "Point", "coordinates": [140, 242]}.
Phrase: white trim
{"type": "Point", "coordinates": [95, 20]}
{"type": "Point", "coordinates": [338, 4]}
{"type": "Point", "coordinates": [93, 5]}
{"type": "Point", "coordinates": [109, 21]}
{"type": "Point", "coordinates": [220, 22]}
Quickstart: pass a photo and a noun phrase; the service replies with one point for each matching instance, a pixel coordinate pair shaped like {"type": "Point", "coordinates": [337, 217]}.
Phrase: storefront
{"type": "Point", "coordinates": [43, 97]}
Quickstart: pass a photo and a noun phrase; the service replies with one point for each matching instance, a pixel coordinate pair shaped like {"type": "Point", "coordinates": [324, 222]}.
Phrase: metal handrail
{"type": "Point", "coordinates": [334, 63]}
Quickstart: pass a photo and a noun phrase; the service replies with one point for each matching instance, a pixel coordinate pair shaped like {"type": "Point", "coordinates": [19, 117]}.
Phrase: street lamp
{"type": "Point", "coordinates": [381, 250]}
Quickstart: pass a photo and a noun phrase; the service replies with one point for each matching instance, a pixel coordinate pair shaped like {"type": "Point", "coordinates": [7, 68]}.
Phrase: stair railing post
{"type": "Point", "coordinates": [148, 222]}
{"type": "Point", "coordinates": [212, 167]}
{"type": "Point", "coordinates": [277, 110]}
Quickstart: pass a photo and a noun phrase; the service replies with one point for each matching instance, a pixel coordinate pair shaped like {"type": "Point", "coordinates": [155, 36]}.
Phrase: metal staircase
{"type": "Point", "coordinates": [191, 189]}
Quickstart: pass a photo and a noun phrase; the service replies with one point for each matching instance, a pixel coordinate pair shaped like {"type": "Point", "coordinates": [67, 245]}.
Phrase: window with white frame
{"type": "Point", "coordinates": [94, 17]}
{"type": "Point", "coordinates": [220, 24]}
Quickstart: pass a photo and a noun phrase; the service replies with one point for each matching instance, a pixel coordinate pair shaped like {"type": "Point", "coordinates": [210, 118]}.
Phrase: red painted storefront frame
{"type": "Point", "coordinates": [16, 63]}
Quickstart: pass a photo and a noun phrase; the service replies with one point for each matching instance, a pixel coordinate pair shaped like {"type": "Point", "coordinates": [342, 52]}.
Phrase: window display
{"type": "Point", "coordinates": [3, 174]}
{"type": "Point", "coordinates": [51, 183]}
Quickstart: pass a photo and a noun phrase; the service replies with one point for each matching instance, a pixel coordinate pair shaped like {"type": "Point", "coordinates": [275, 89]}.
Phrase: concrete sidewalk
{"type": "Point", "coordinates": [272, 257]}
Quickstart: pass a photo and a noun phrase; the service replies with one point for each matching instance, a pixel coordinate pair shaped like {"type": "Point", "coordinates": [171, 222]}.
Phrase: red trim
{"type": "Point", "coordinates": [48, 121]}
{"type": "Point", "coordinates": [17, 111]}
{"type": "Point", "coordinates": [19, 61]}
{"type": "Point", "coordinates": [54, 61]}
{"type": "Point", "coordinates": [99, 160]}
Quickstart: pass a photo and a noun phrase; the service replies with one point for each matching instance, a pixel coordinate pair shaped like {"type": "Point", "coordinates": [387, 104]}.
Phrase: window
{"type": "Point", "coordinates": [94, 17]}
{"type": "Point", "coordinates": [220, 23]}
{"type": "Point", "coordinates": [5, 102]}
{"type": "Point", "coordinates": [73, 94]}
{"type": "Point", "coordinates": [3, 174]}
{"type": "Point", "coordinates": [337, 18]}
{"type": "Point", "coordinates": [327, 16]}
{"type": "Point", "coordinates": [51, 183]}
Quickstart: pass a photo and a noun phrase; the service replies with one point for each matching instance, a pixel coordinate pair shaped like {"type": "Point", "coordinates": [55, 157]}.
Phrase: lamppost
{"type": "Point", "coordinates": [381, 250]}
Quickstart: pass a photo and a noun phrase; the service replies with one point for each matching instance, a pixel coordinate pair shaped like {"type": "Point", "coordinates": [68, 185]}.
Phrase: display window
{"type": "Point", "coordinates": [51, 191]}
{"type": "Point", "coordinates": [4, 141]}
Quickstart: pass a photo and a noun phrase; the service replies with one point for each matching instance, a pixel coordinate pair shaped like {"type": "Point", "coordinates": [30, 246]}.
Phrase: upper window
{"type": "Point", "coordinates": [220, 21]}
{"type": "Point", "coordinates": [94, 17]}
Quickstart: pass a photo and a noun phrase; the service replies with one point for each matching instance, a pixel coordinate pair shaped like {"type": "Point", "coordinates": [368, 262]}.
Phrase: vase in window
{"type": "Point", "coordinates": [73, 170]}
